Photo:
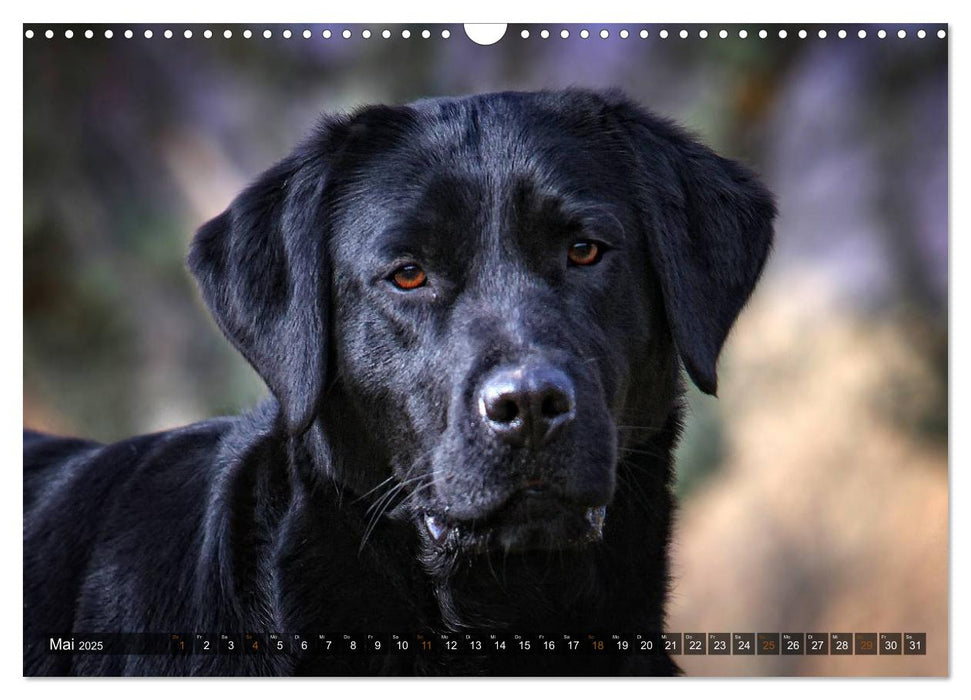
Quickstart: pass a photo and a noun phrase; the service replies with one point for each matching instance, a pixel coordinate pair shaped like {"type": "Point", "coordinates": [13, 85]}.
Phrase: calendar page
{"type": "Point", "coordinates": [505, 350]}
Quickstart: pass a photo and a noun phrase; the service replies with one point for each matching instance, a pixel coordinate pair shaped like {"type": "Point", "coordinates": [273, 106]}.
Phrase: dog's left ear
{"type": "Point", "coordinates": [709, 224]}
{"type": "Point", "coordinates": [261, 268]}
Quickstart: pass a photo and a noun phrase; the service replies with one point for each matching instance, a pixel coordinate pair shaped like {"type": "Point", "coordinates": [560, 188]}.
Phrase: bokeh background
{"type": "Point", "coordinates": [813, 491]}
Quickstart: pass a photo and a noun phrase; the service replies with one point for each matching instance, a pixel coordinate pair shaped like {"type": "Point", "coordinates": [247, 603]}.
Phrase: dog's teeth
{"type": "Point", "coordinates": [595, 516]}
{"type": "Point", "coordinates": [436, 528]}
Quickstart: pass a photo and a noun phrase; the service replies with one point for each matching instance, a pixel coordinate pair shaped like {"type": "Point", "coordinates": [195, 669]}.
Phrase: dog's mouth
{"type": "Point", "coordinates": [526, 522]}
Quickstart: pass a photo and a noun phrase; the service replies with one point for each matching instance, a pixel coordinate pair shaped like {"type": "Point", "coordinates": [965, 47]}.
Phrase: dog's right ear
{"type": "Point", "coordinates": [261, 268]}
{"type": "Point", "coordinates": [262, 264]}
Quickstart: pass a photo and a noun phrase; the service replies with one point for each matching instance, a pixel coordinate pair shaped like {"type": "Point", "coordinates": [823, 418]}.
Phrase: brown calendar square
{"type": "Point", "coordinates": [743, 643]}
{"type": "Point", "coordinates": [719, 644]}
{"type": "Point", "coordinates": [915, 643]}
{"type": "Point", "coordinates": [841, 643]}
{"type": "Point", "coordinates": [793, 643]}
{"type": "Point", "coordinates": [865, 643]}
{"type": "Point", "coordinates": [817, 643]}
{"type": "Point", "coordinates": [891, 643]}
{"type": "Point", "coordinates": [767, 643]}
{"type": "Point", "coordinates": [695, 643]}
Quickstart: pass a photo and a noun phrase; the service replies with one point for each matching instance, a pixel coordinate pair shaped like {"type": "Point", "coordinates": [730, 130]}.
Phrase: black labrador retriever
{"type": "Point", "coordinates": [472, 315]}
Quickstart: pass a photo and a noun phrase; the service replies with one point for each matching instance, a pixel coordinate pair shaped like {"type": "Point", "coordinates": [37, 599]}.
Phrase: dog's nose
{"type": "Point", "coordinates": [527, 405]}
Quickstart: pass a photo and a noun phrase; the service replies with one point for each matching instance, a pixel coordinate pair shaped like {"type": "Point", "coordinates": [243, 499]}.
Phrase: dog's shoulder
{"type": "Point", "coordinates": [115, 520]}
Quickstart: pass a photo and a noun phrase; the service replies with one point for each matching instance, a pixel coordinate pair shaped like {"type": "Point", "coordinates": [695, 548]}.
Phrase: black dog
{"type": "Point", "coordinates": [471, 314]}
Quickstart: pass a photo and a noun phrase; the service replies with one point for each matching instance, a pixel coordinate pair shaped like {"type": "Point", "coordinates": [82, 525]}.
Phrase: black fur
{"type": "Point", "coordinates": [317, 511]}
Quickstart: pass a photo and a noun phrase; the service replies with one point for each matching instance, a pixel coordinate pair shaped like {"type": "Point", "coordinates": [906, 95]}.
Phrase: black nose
{"type": "Point", "coordinates": [527, 405]}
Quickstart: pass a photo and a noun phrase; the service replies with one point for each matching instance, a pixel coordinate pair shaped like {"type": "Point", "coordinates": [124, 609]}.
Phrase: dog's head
{"type": "Point", "coordinates": [478, 294]}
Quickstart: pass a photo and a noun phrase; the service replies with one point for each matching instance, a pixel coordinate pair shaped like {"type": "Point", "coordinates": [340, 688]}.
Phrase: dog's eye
{"type": "Point", "coordinates": [409, 277]}
{"type": "Point", "coordinates": [585, 253]}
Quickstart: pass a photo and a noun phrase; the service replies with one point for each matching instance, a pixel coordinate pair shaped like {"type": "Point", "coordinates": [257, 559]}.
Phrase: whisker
{"type": "Point", "coordinates": [411, 495]}
{"type": "Point", "coordinates": [390, 493]}
{"type": "Point", "coordinates": [393, 489]}
{"type": "Point", "coordinates": [383, 504]}
{"type": "Point", "coordinates": [370, 491]}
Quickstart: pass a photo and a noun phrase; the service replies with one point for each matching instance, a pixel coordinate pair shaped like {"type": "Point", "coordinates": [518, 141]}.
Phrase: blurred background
{"type": "Point", "coordinates": [813, 491]}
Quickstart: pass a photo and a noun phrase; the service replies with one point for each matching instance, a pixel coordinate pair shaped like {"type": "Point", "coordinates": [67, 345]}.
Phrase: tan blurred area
{"type": "Point", "coordinates": [827, 514]}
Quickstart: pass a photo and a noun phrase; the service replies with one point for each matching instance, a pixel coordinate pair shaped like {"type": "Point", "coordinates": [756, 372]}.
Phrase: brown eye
{"type": "Point", "coordinates": [585, 253]}
{"type": "Point", "coordinates": [409, 277]}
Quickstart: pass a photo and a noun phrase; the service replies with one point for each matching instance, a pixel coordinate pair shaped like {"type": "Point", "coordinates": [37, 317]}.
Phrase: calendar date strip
{"type": "Point", "coordinates": [487, 643]}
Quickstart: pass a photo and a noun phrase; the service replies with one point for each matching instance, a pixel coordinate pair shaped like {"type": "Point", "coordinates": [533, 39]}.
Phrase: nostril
{"type": "Point", "coordinates": [555, 404]}
{"type": "Point", "coordinates": [502, 410]}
